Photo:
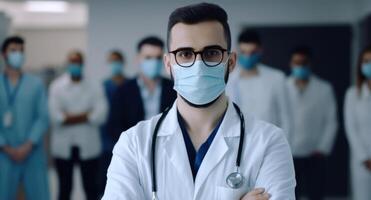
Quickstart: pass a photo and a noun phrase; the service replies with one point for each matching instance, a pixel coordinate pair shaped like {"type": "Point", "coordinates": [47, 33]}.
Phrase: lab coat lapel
{"type": "Point", "coordinates": [175, 149]}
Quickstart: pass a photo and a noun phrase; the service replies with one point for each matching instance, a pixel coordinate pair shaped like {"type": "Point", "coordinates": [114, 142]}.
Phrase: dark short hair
{"type": "Point", "coordinates": [197, 13]}
{"type": "Point", "coordinates": [11, 40]}
{"type": "Point", "coordinates": [77, 53]}
{"type": "Point", "coordinates": [117, 53]}
{"type": "Point", "coordinates": [303, 50]}
{"type": "Point", "coordinates": [151, 40]}
{"type": "Point", "coordinates": [249, 36]}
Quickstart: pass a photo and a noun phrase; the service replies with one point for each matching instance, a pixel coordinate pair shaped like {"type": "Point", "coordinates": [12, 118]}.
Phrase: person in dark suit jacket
{"type": "Point", "coordinates": [146, 95]}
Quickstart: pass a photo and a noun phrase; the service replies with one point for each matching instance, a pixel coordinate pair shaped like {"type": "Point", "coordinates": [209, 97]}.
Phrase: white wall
{"type": "Point", "coordinates": [117, 23]}
{"type": "Point", "coordinates": [49, 47]}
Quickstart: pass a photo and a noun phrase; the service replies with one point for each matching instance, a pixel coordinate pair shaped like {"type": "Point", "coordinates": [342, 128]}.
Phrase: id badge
{"type": "Point", "coordinates": [7, 119]}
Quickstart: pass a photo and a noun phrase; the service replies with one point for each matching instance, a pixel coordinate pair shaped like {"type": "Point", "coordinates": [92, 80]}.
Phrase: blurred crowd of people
{"type": "Point", "coordinates": [87, 118]}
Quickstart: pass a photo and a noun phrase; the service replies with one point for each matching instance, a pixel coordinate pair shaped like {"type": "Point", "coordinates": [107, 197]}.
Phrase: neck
{"type": "Point", "coordinates": [246, 73]}
{"type": "Point", "coordinates": [200, 122]}
{"type": "Point", "coordinates": [76, 79]}
{"type": "Point", "coordinates": [13, 74]}
{"type": "Point", "coordinates": [301, 84]}
{"type": "Point", "coordinates": [118, 79]}
{"type": "Point", "coordinates": [150, 84]}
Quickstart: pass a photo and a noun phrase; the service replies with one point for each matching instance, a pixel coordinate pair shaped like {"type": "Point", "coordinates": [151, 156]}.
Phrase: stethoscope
{"type": "Point", "coordinates": [234, 180]}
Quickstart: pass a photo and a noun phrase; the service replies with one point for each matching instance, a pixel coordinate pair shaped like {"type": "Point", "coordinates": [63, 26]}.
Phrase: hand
{"type": "Point", "coordinates": [23, 151]}
{"type": "Point", "coordinates": [75, 119]}
{"type": "Point", "coordinates": [367, 163]}
{"type": "Point", "coordinates": [257, 194]}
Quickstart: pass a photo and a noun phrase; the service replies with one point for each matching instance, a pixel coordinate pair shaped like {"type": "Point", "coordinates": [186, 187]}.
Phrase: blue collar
{"type": "Point", "coordinates": [196, 158]}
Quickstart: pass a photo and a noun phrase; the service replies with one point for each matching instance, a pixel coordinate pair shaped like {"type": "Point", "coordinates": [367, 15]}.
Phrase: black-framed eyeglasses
{"type": "Point", "coordinates": [211, 56]}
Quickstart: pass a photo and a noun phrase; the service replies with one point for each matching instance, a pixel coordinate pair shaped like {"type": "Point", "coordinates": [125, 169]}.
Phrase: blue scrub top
{"type": "Point", "coordinates": [29, 111]}
{"type": "Point", "coordinates": [108, 141]}
{"type": "Point", "coordinates": [195, 158]}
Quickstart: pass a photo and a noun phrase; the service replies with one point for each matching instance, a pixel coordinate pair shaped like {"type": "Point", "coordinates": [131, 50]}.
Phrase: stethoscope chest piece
{"type": "Point", "coordinates": [235, 180]}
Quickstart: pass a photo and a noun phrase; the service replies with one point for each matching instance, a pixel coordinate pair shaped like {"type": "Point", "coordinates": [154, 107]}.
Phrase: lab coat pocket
{"type": "Point", "coordinates": [226, 193]}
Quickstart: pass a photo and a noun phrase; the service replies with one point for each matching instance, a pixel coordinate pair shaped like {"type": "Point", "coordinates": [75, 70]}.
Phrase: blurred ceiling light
{"type": "Point", "coordinates": [46, 6]}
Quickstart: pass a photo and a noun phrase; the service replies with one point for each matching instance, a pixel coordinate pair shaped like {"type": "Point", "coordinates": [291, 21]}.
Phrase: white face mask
{"type": "Point", "coordinates": [199, 84]}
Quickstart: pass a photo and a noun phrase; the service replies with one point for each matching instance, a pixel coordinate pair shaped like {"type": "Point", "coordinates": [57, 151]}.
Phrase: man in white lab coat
{"type": "Point", "coordinates": [198, 139]}
{"type": "Point", "coordinates": [314, 127]}
{"type": "Point", "coordinates": [77, 109]}
{"type": "Point", "coordinates": [259, 89]}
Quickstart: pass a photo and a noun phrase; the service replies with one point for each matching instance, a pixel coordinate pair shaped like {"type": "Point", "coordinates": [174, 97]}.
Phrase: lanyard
{"type": "Point", "coordinates": [11, 95]}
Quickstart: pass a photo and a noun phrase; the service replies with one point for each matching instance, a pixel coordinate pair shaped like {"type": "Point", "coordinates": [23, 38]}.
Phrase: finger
{"type": "Point", "coordinates": [256, 191]}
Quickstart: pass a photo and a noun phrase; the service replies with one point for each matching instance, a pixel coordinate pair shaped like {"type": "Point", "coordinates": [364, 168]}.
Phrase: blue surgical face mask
{"type": "Point", "coordinates": [366, 70]}
{"type": "Point", "coordinates": [75, 70]}
{"type": "Point", "coordinates": [300, 72]}
{"type": "Point", "coordinates": [151, 68]}
{"type": "Point", "coordinates": [199, 84]}
{"type": "Point", "coordinates": [249, 61]}
{"type": "Point", "coordinates": [15, 59]}
{"type": "Point", "coordinates": [116, 68]}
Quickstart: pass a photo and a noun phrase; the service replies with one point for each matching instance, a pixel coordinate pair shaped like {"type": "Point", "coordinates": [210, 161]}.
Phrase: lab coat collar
{"type": "Point", "coordinates": [229, 127]}
{"type": "Point", "coordinates": [176, 150]}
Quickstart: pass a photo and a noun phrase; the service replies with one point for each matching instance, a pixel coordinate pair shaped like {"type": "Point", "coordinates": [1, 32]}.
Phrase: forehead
{"type": "Point", "coordinates": [197, 36]}
{"type": "Point", "coordinates": [14, 45]}
{"type": "Point", "coordinates": [367, 55]}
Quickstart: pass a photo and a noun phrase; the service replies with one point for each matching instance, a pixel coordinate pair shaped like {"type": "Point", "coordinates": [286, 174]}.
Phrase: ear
{"type": "Point", "coordinates": [232, 61]}
{"type": "Point", "coordinates": [167, 63]}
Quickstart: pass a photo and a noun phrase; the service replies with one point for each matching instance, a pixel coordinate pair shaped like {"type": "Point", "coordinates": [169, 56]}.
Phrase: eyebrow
{"type": "Point", "coordinates": [206, 47]}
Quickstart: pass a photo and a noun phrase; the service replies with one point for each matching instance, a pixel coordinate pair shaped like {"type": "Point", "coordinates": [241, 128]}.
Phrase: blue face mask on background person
{"type": "Point", "coordinates": [249, 61]}
{"type": "Point", "coordinates": [199, 84]}
{"type": "Point", "coordinates": [116, 68]}
{"type": "Point", "coordinates": [366, 70]}
{"type": "Point", "coordinates": [300, 72]}
{"type": "Point", "coordinates": [151, 68]}
{"type": "Point", "coordinates": [75, 70]}
{"type": "Point", "coordinates": [15, 59]}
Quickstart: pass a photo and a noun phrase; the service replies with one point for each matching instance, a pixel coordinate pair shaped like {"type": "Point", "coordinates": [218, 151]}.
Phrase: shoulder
{"type": "Point", "coordinates": [32, 79]}
{"type": "Point", "coordinates": [273, 72]}
{"type": "Point", "coordinates": [138, 136]}
{"type": "Point", "coordinates": [351, 93]}
{"type": "Point", "coordinates": [59, 82]}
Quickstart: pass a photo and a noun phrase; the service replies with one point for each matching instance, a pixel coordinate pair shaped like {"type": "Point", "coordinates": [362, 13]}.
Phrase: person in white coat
{"type": "Point", "coordinates": [259, 89]}
{"type": "Point", "coordinates": [357, 117]}
{"type": "Point", "coordinates": [77, 108]}
{"type": "Point", "coordinates": [192, 154]}
{"type": "Point", "coordinates": [314, 123]}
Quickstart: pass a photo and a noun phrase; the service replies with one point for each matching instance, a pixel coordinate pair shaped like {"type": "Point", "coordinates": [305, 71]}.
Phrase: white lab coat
{"type": "Point", "coordinates": [314, 118]}
{"type": "Point", "coordinates": [266, 162]}
{"type": "Point", "coordinates": [357, 117]}
{"type": "Point", "coordinates": [264, 96]}
{"type": "Point", "coordinates": [76, 98]}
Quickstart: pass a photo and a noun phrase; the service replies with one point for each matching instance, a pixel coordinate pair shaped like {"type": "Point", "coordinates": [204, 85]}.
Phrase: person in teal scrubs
{"type": "Point", "coordinates": [23, 123]}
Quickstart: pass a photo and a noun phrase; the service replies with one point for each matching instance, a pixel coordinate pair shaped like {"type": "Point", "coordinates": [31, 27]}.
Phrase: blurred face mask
{"type": "Point", "coordinates": [75, 70]}
{"type": "Point", "coordinates": [15, 59]}
{"type": "Point", "coordinates": [151, 68]}
{"type": "Point", "coordinates": [199, 84]}
{"type": "Point", "coordinates": [116, 68]}
{"type": "Point", "coordinates": [249, 61]}
{"type": "Point", "coordinates": [366, 70]}
{"type": "Point", "coordinates": [301, 72]}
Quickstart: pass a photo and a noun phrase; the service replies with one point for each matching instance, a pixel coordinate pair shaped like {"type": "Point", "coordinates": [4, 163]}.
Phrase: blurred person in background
{"type": "Point", "coordinates": [146, 95]}
{"type": "Point", "coordinates": [357, 117]}
{"type": "Point", "coordinates": [77, 108]}
{"type": "Point", "coordinates": [117, 79]}
{"type": "Point", "coordinates": [24, 121]}
{"type": "Point", "coordinates": [314, 124]}
{"type": "Point", "coordinates": [256, 87]}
